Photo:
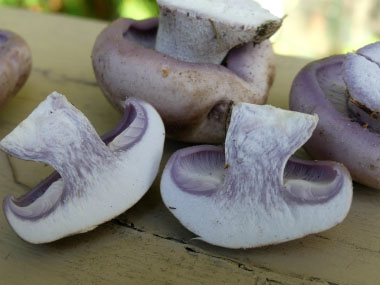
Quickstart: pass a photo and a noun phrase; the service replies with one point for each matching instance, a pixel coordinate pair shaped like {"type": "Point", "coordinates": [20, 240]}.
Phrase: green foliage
{"type": "Point", "coordinates": [104, 9]}
{"type": "Point", "coordinates": [138, 9]}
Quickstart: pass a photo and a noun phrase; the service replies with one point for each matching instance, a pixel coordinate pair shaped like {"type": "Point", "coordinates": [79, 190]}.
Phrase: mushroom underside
{"type": "Point", "coordinates": [341, 83]}
{"type": "Point", "coordinates": [334, 88]}
{"type": "Point", "coordinates": [332, 85]}
{"type": "Point", "coordinates": [203, 173]}
{"type": "Point", "coordinates": [348, 130]}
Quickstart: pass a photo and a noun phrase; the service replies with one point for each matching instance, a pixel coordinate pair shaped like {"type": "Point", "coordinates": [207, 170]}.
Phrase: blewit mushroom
{"type": "Point", "coordinates": [96, 180]}
{"type": "Point", "coordinates": [191, 97]}
{"type": "Point", "coordinates": [252, 193]}
{"type": "Point", "coordinates": [15, 64]}
{"type": "Point", "coordinates": [345, 93]}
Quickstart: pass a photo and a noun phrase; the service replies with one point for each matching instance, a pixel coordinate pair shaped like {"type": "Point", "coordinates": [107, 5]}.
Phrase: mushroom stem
{"type": "Point", "coordinates": [360, 73]}
{"type": "Point", "coordinates": [204, 31]}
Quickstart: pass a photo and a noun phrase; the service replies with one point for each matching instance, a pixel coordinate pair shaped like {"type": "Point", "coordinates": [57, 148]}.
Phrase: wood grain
{"type": "Point", "coordinates": [146, 245]}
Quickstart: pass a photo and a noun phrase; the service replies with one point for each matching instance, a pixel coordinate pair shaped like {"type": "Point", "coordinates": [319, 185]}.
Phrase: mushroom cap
{"type": "Point", "coordinates": [192, 98]}
{"type": "Point", "coordinates": [15, 64]}
{"type": "Point", "coordinates": [253, 194]}
{"type": "Point", "coordinates": [319, 89]}
{"type": "Point", "coordinates": [95, 180]}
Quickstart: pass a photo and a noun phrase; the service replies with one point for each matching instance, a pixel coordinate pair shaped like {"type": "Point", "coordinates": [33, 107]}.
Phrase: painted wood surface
{"type": "Point", "coordinates": [146, 245]}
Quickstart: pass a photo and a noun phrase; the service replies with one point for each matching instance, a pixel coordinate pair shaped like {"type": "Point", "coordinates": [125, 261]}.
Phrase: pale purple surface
{"type": "Point", "coordinates": [3, 38]}
{"type": "Point", "coordinates": [144, 33]}
{"type": "Point", "coordinates": [319, 89]}
{"type": "Point", "coordinates": [15, 64]}
{"type": "Point", "coordinates": [371, 52]}
{"type": "Point", "coordinates": [205, 160]}
{"type": "Point", "coordinates": [325, 181]}
{"type": "Point", "coordinates": [132, 106]}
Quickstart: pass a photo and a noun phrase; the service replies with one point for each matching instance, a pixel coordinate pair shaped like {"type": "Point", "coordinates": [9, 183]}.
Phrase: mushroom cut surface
{"type": "Point", "coordinates": [203, 31]}
{"type": "Point", "coordinates": [252, 192]}
{"type": "Point", "coordinates": [96, 179]}
{"type": "Point", "coordinates": [344, 91]}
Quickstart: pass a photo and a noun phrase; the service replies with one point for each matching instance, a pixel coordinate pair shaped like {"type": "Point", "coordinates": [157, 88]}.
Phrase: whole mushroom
{"type": "Point", "coordinates": [15, 64]}
{"type": "Point", "coordinates": [252, 192]}
{"type": "Point", "coordinates": [344, 90]}
{"type": "Point", "coordinates": [190, 63]}
{"type": "Point", "coordinates": [96, 179]}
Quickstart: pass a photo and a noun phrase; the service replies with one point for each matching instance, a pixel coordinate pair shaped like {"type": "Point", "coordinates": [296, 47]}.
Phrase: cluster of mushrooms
{"type": "Point", "coordinates": [201, 74]}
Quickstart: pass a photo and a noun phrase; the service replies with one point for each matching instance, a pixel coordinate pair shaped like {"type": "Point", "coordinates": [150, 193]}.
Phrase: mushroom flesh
{"type": "Point", "coordinates": [95, 180]}
{"type": "Point", "coordinates": [15, 64]}
{"type": "Point", "coordinates": [344, 91]}
{"type": "Point", "coordinates": [134, 59]}
{"type": "Point", "coordinates": [252, 192]}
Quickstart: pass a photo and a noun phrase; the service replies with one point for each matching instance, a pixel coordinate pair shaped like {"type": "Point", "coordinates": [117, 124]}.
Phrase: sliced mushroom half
{"type": "Point", "coordinates": [95, 180]}
{"type": "Point", "coordinates": [252, 193]}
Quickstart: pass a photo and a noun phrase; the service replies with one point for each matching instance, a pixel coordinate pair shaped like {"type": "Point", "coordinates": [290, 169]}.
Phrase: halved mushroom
{"type": "Point", "coordinates": [191, 97]}
{"type": "Point", "coordinates": [253, 193]}
{"type": "Point", "coordinates": [345, 93]}
{"type": "Point", "coordinates": [96, 180]}
{"type": "Point", "coordinates": [15, 64]}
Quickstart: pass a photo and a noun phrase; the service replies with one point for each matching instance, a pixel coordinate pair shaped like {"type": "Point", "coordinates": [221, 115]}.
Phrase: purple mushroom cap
{"type": "Point", "coordinates": [3, 39]}
{"type": "Point", "coordinates": [252, 193]}
{"type": "Point", "coordinates": [347, 130]}
{"type": "Point", "coordinates": [96, 179]}
{"type": "Point", "coordinates": [15, 64]}
{"type": "Point", "coordinates": [192, 98]}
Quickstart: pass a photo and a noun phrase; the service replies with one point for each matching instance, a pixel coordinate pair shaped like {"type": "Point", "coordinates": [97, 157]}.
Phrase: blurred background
{"type": "Point", "coordinates": [312, 28]}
